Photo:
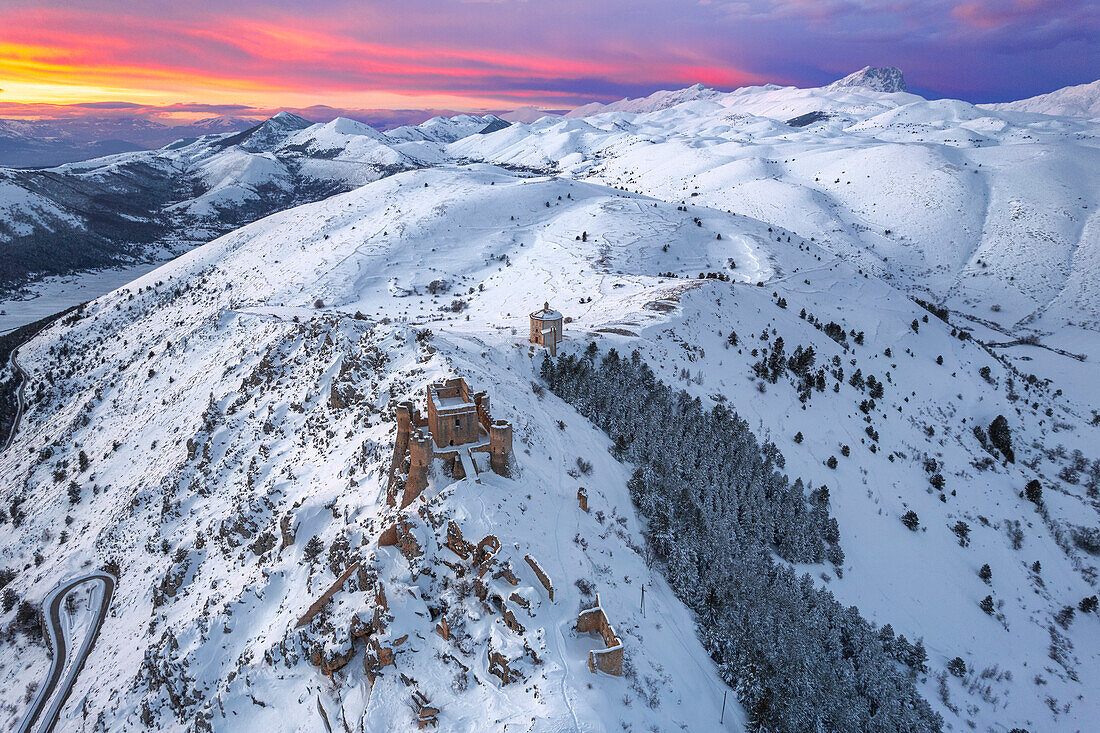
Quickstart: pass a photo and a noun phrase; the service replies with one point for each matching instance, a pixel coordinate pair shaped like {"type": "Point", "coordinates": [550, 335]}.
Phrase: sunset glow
{"type": "Point", "coordinates": [500, 55]}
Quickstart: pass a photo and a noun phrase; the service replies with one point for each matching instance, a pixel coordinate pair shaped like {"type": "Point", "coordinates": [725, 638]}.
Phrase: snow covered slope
{"type": "Point", "coordinates": [154, 204]}
{"type": "Point", "coordinates": [991, 213]}
{"type": "Point", "coordinates": [201, 426]}
{"type": "Point", "coordinates": [1082, 100]}
{"type": "Point", "coordinates": [239, 313]}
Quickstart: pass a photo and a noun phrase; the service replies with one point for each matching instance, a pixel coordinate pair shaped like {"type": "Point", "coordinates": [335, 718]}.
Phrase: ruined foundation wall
{"type": "Point", "coordinates": [610, 658]}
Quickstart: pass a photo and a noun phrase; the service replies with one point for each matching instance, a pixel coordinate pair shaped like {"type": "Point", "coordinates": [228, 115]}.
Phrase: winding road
{"type": "Point", "coordinates": [20, 404]}
{"type": "Point", "coordinates": [59, 682]}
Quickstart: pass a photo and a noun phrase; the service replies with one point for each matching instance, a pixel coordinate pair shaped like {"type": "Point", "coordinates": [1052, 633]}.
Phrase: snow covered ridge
{"type": "Point", "coordinates": [992, 212]}
{"type": "Point", "coordinates": [222, 430]}
{"type": "Point", "coordinates": [155, 204]}
{"type": "Point", "coordinates": [977, 206]}
{"type": "Point", "coordinates": [1082, 100]}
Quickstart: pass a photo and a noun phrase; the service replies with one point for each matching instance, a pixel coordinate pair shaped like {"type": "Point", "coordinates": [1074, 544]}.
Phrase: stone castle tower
{"type": "Point", "coordinates": [456, 426]}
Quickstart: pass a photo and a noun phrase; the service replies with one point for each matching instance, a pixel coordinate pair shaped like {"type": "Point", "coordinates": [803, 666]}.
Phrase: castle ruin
{"type": "Point", "coordinates": [457, 424]}
{"type": "Point", "coordinates": [610, 658]}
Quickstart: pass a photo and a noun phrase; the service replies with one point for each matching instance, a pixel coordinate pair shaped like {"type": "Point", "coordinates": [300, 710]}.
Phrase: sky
{"type": "Point", "coordinates": [199, 58]}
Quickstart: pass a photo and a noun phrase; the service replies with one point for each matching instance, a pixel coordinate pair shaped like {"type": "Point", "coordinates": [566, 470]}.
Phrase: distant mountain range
{"type": "Point", "coordinates": [51, 142]}
{"type": "Point", "coordinates": [143, 205]}
{"type": "Point", "coordinates": [44, 143]}
{"type": "Point", "coordinates": [153, 204]}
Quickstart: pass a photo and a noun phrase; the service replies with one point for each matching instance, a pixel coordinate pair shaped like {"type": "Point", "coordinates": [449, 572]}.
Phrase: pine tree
{"type": "Point", "coordinates": [985, 573]}
{"type": "Point", "coordinates": [313, 549]}
{"type": "Point", "coordinates": [1001, 437]}
{"type": "Point", "coordinates": [987, 605]}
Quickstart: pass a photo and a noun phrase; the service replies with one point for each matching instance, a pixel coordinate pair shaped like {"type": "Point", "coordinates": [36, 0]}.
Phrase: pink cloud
{"type": "Point", "coordinates": [568, 52]}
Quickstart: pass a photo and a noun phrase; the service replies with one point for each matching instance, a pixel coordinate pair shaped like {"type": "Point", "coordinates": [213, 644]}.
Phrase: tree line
{"type": "Point", "coordinates": [718, 507]}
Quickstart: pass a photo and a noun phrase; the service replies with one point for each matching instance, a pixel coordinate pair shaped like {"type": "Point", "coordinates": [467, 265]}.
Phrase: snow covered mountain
{"type": "Point", "coordinates": [526, 114]}
{"type": "Point", "coordinates": [153, 204]}
{"type": "Point", "coordinates": [887, 79]}
{"type": "Point", "coordinates": [652, 103]}
{"type": "Point", "coordinates": [218, 125]}
{"type": "Point", "coordinates": [819, 443]}
{"type": "Point", "coordinates": [447, 129]}
{"type": "Point", "coordinates": [51, 142]}
{"type": "Point", "coordinates": [941, 197]}
{"type": "Point", "coordinates": [219, 433]}
{"type": "Point", "coordinates": [23, 145]}
{"type": "Point", "coordinates": [156, 204]}
{"type": "Point", "coordinates": [1082, 100]}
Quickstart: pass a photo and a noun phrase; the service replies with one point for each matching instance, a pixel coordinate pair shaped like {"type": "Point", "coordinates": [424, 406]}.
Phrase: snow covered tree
{"type": "Point", "coordinates": [962, 531]}
{"type": "Point", "coordinates": [1001, 437]}
{"type": "Point", "coordinates": [717, 508]}
{"type": "Point", "coordinates": [314, 548]}
{"type": "Point", "coordinates": [957, 667]}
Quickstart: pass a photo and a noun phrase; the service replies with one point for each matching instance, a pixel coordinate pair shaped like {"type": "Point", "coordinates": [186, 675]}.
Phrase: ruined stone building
{"type": "Point", "coordinates": [546, 328]}
{"type": "Point", "coordinates": [456, 425]}
{"type": "Point", "coordinates": [610, 658]}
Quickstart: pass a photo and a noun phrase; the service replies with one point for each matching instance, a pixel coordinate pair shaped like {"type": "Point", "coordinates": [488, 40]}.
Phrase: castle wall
{"type": "Point", "coordinates": [610, 658]}
{"type": "Point", "coordinates": [456, 428]}
{"type": "Point", "coordinates": [455, 417]}
{"type": "Point", "coordinates": [321, 602]}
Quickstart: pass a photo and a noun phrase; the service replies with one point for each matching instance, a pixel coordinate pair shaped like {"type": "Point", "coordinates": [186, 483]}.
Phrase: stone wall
{"type": "Point", "coordinates": [421, 454]}
{"type": "Point", "coordinates": [610, 658]}
{"type": "Point", "coordinates": [541, 575]}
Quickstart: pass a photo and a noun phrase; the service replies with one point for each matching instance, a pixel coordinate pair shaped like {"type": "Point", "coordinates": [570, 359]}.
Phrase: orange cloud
{"type": "Point", "coordinates": [47, 53]}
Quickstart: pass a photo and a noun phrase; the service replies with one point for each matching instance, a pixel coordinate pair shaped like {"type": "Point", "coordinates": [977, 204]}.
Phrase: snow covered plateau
{"type": "Point", "coordinates": [871, 319]}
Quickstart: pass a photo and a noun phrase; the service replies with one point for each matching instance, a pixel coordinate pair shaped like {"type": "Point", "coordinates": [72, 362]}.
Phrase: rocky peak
{"type": "Point", "coordinates": [887, 79]}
